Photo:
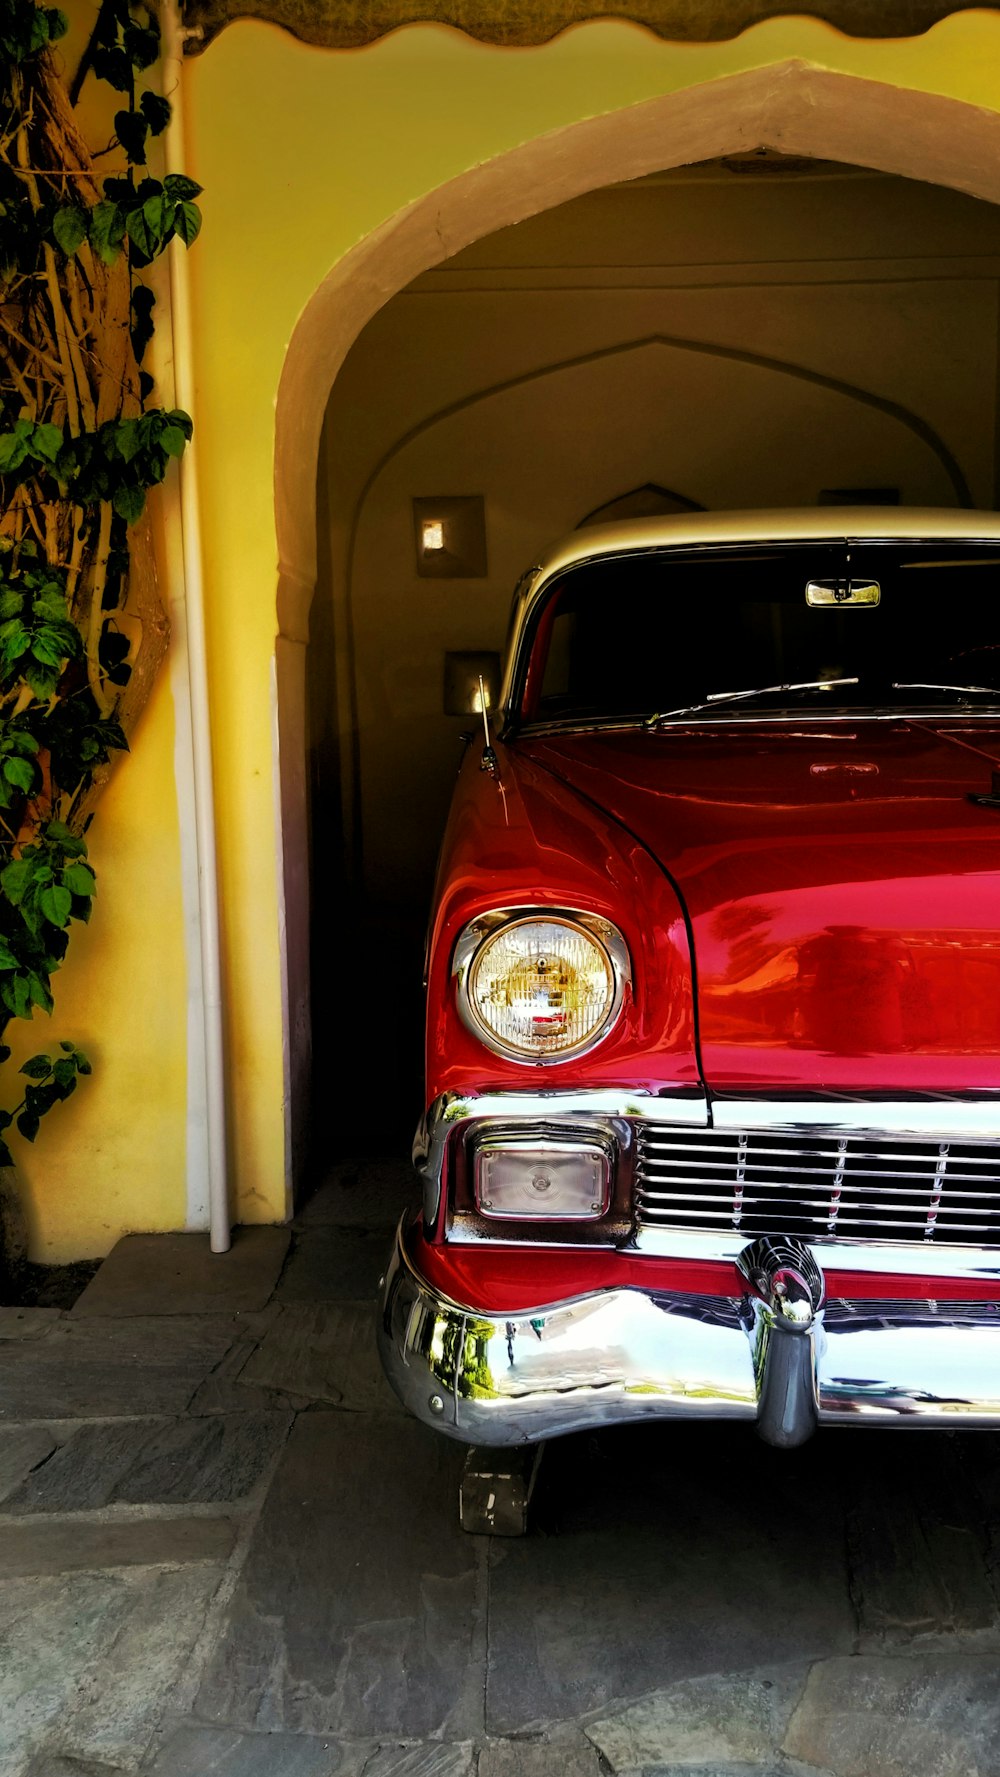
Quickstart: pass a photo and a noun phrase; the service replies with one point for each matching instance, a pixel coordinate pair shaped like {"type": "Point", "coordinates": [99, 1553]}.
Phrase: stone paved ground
{"type": "Point", "coordinates": [224, 1549]}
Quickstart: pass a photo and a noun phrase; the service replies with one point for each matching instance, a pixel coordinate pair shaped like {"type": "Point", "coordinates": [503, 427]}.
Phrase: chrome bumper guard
{"type": "Point", "coordinates": [779, 1354]}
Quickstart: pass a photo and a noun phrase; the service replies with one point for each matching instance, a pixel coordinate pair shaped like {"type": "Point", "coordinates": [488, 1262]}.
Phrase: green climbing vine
{"type": "Point", "coordinates": [82, 629]}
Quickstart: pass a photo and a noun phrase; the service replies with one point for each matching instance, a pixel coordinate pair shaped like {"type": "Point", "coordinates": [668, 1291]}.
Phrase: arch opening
{"type": "Point", "coordinates": [792, 113]}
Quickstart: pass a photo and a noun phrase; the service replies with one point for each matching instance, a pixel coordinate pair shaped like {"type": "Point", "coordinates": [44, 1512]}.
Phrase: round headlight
{"type": "Point", "coordinates": [541, 988]}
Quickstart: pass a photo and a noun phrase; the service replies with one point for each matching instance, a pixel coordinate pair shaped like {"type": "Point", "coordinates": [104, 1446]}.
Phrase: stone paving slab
{"type": "Point", "coordinates": [53, 1764]}
{"type": "Point", "coordinates": [434, 1760]}
{"type": "Point", "coordinates": [358, 1611]}
{"type": "Point", "coordinates": [784, 1769]}
{"type": "Point", "coordinates": [88, 1662]}
{"type": "Point", "coordinates": [130, 1679]}
{"type": "Point", "coordinates": [740, 1718]}
{"type": "Point", "coordinates": [335, 1265]}
{"type": "Point", "coordinates": [155, 1461]}
{"type": "Point", "coordinates": [22, 1449]}
{"type": "Point", "coordinates": [228, 1390]}
{"type": "Point", "coordinates": [146, 1274]}
{"type": "Point", "coordinates": [43, 1546]}
{"type": "Point", "coordinates": [557, 1755]}
{"type": "Point", "coordinates": [197, 1751]}
{"type": "Point", "coordinates": [923, 1715]}
{"type": "Point", "coordinates": [96, 1369]}
{"type": "Point", "coordinates": [362, 1194]}
{"type": "Point", "coordinates": [27, 1323]}
{"type": "Point", "coordinates": [327, 1352]}
{"type": "Point", "coordinates": [666, 1552]}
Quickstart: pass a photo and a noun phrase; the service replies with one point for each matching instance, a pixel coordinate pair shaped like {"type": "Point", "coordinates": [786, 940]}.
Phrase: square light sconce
{"type": "Point", "coordinates": [449, 533]}
{"type": "Point", "coordinates": [461, 683]}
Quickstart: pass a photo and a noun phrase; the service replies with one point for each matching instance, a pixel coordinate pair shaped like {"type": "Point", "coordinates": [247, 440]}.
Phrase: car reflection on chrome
{"type": "Point", "coordinates": [712, 1122]}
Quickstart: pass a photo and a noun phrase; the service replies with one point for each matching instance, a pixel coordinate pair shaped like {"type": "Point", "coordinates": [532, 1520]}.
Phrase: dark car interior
{"type": "Point", "coordinates": [656, 632]}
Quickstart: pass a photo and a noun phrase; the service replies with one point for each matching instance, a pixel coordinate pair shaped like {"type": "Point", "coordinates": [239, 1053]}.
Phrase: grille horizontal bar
{"type": "Point", "coordinates": [857, 1186]}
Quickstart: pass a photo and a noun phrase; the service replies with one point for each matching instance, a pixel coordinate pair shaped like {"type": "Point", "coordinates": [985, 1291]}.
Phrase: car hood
{"type": "Point", "coordinates": [843, 892]}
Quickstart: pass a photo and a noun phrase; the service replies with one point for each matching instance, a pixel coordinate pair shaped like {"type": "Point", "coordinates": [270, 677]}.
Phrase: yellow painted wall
{"type": "Point", "coordinates": [302, 153]}
{"type": "Point", "coordinates": [112, 1159]}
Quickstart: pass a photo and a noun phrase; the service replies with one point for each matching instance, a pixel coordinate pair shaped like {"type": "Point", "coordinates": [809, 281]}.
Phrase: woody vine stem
{"type": "Point", "coordinates": [82, 627]}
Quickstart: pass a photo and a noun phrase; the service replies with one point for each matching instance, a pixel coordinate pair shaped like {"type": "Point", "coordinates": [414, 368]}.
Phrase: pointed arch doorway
{"type": "Point", "coordinates": [791, 108]}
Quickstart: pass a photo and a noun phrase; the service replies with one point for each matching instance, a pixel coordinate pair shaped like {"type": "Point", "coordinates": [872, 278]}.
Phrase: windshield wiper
{"type": "Point", "coordinates": [963, 690]}
{"type": "Point", "coordinates": [714, 697]}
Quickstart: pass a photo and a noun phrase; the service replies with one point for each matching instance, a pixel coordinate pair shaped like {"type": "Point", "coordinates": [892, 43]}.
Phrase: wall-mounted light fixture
{"type": "Point", "coordinates": [449, 533]}
{"type": "Point", "coordinates": [461, 682]}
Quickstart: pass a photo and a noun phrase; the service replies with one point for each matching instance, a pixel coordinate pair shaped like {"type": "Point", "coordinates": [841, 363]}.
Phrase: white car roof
{"type": "Point", "coordinates": [803, 523]}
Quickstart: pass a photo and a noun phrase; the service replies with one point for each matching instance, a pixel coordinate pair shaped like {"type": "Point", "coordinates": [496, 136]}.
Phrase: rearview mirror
{"type": "Point", "coordinates": [823, 593]}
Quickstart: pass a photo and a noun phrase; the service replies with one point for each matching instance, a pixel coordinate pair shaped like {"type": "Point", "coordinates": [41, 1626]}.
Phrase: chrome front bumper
{"type": "Point", "coordinates": [776, 1354]}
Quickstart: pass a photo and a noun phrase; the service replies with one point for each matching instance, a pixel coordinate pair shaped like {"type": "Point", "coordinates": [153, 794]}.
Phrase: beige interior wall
{"type": "Point", "coordinates": [746, 335]}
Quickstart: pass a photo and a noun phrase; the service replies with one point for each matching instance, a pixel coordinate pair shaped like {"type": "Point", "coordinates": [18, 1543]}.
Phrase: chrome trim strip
{"type": "Point", "coordinates": [893, 1258]}
{"type": "Point", "coordinates": [977, 1119]}
{"type": "Point", "coordinates": [451, 1109]}
{"type": "Point", "coordinates": [626, 1354]}
{"type": "Point", "coordinates": [951, 717]}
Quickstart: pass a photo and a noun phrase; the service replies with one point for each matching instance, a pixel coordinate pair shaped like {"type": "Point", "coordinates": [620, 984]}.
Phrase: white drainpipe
{"type": "Point", "coordinates": [197, 662]}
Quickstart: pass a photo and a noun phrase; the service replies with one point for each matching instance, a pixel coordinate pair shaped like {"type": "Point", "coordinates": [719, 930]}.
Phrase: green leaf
{"type": "Point", "coordinates": [187, 223]}
{"type": "Point", "coordinates": [112, 64]}
{"type": "Point", "coordinates": [126, 438]}
{"type": "Point", "coordinates": [15, 880]}
{"type": "Point", "coordinates": [138, 229]}
{"type": "Point", "coordinates": [37, 1067]}
{"type": "Point", "coordinates": [69, 225]}
{"type": "Point", "coordinates": [80, 880]}
{"type": "Point", "coordinates": [179, 187]}
{"type": "Point", "coordinates": [129, 503]}
{"type": "Point", "coordinates": [82, 1064]}
{"type": "Point", "coordinates": [41, 29]}
{"type": "Point", "coordinates": [156, 111]}
{"type": "Point", "coordinates": [48, 646]}
{"type": "Point", "coordinates": [173, 441]}
{"type": "Point", "coordinates": [4, 1056]}
{"type": "Point", "coordinates": [107, 231]}
{"type": "Point", "coordinates": [132, 129]}
{"type": "Point", "coordinates": [28, 1125]}
{"type": "Point", "coordinates": [19, 772]}
{"type": "Point", "coordinates": [38, 988]}
{"type": "Point", "coordinates": [14, 640]}
{"type": "Point", "coordinates": [67, 1048]}
{"type": "Point", "coordinates": [47, 442]}
{"type": "Point", "coordinates": [6, 1119]}
{"type": "Point", "coordinates": [15, 996]}
{"type": "Point", "coordinates": [142, 43]}
{"type": "Point", "coordinates": [7, 958]}
{"type": "Point", "coordinates": [56, 904]}
{"type": "Point", "coordinates": [60, 833]}
{"type": "Point", "coordinates": [13, 450]}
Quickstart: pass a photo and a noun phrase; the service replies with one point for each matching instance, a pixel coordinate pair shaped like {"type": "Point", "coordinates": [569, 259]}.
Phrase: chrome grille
{"type": "Point", "coordinates": [818, 1184]}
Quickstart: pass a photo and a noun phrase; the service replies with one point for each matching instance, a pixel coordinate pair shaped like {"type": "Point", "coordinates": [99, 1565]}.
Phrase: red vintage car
{"type": "Point", "coordinates": [713, 1035]}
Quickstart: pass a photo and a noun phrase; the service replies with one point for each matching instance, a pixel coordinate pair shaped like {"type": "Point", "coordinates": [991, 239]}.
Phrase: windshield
{"type": "Point", "coordinates": [806, 627]}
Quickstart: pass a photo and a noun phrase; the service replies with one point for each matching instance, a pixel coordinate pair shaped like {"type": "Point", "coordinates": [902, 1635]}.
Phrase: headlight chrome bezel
{"type": "Point", "coordinates": [477, 934]}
